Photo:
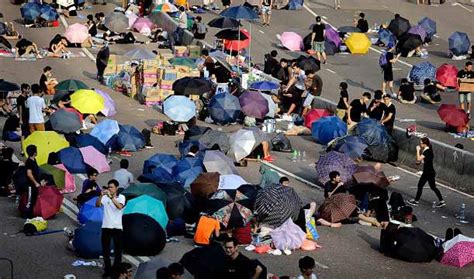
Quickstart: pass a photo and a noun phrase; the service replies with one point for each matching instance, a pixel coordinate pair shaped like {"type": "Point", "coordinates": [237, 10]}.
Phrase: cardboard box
{"type": "Point", "coordinates": [182, 69]}
{"type": "Point", "coordinates": [112, 60]}
{"type": "Point", "coordinates": [166, 84]}
{"type": "Point", "coordinates": [466, 85]}
{"type": "Point", "coordinates": [194, 51]}
{"type": "Point", "coordinates": [165, 57]}
{"type": "Point", "coordinates": [152, 98]}
{"type": "Point", "coordinates": [180, 51]}
{"type": "Point", "coordinates": [151, 65]}
{"type": "Point", "coordinates": [152, 92]}
{"type": "Point", "coordinates": [169, 74]}
{"type": "Point", "coordinates": [165, 94]}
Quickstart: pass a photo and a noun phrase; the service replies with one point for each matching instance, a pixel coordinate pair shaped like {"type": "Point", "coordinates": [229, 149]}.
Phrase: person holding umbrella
{"type": "Point", "coordinates": [466, 73]}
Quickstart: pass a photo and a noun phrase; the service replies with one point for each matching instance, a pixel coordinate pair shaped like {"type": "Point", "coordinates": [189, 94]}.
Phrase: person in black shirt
{"type": "Point", "coordinates": [388, 114]}
{"type": "Point", "coordinates": [317, 39]}
{"type": "Point", "coordinates": [388, 72]}
{"type": "Point", "coordinates": [271, 63]}
{"type": "Point", "coordinates": [468, 73]}
{"type": "Point", "coordinates": [334, 185]}
{"type": "Point", "coordinates": [24, 46]}
{"type": "Point", "coordinates": [406, 92]}
{"type": "Point", "coordinates": [283, 72]}
{"type": "Point", "coordinates": [8, 168]}
{"type": "Point", "coordinates": [358, 108]}
{"type": "Point", "coordinates": [430, 92]}
{"type": "Point", "coordinates": [91, 25]}
{"type": "Point", "coordinates": [343, 104]}
{"type": "Point", "coordinates": [33, 180]}
{"type": "Point", "coordinates": [101, 61]}
{"type": "Point", "coordinates": [239, 266]}
{"type": "Point", "coordinates": [362, 23]}
{"type": "Point", "coordinates": [376, 107]}
{"type": "Point", "coordinates": [11, 130]}
{"type": "Point", "coordinates": [424, 153]}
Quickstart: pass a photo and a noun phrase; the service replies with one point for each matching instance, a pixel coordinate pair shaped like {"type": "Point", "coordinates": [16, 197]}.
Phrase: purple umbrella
{"type": "Point", "coordinates": [253, 104]}
{"type": "Point", "coordinates": [109, 104]}
{"type": "Point", "coordinates": [335, 161]}
{"type": "Point", "coordinates": [418, 30]}
{"type": "Point", "coordinates": [332, 36]}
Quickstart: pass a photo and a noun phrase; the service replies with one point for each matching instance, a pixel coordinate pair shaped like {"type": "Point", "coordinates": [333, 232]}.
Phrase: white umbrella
{"type": "Point", "coordinates": [242, 144]}
{"type": "Point", "coordinates": [217, 161]}
{"type": "Point", "coordinates": [230, 182]}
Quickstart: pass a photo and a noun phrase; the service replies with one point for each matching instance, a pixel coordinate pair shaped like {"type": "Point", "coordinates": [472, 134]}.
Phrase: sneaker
{"type": "Point", "coordinates": [441, 204]}
{"type": "Point", "coordinates": [149, 146]}
{"type": "Point", "coordinates": [413, 202]}
{"type": "Point", "coordinates": [268, 159]}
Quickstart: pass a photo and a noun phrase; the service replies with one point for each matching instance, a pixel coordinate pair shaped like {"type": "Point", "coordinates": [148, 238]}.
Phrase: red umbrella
{"type": "Point", "coordinates": [452, 115]}
{"type": "Point", "coordinates": [49, 202]}
{"type": "Point", "coordinates": [446, 75]}
{"type": "Point", "coordinates": [314, 115]}
{"type": "Point", "coordinates": [236, 45]}
{"type": "Point", "coordinates": [75, 111]}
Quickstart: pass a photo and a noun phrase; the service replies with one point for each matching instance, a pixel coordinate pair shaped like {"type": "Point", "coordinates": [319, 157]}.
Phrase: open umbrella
{"type": "Point", "coordinates": [87, 101]}
{"type": "Point", "coordinates": [140, 54]}
{"type": "Point", "coordinates": [232, 35]}
{"type": "Point", "coordinates": [149, 206]}
{"type": "Point", "coordinates": [399, 26]}
{"type": "Point", "coordinates": [187, 62]}
{"type": "Point", "coordinates": [409, 42]}
{"type": "Point", "coordinates": [214, 139]}
{"type": "Point", "coordinates": [87, 240]}
{"type": "Point", "coordinates": [143, 25]}
{"type": "Point", "coordinates": [90, 213]}
{"type": "Point", "coordinates": [358, 43]}
{"type": "Point", "coordinates": [224, 108]}
{"type": "Point", "coordinates": [116, 22]}
{"type": "Point", "coordinates": [314, 115]}
{"type": "Point", "coordinates": [6, 86]}
{"type": "Point", "coordinates": [179, 108]}
{"type": "Point", "coordinates": [191, 86]}
{"type": "Point", "coordinates": [84, 140]}
{"type": "Point", "coordinates": [76, 33]}
{"type": "Point", "coordinates": [46, 142]}
{"type": "Point", "coordinates": [368, 174]}
{"type": "Point", "coordinates": [216, 161]}
{"type": "Point", "coordinates": [179, 202]}
{"type": "Point", "coordinates": [308, 63]}
{"type": "Point", "coordinates": [205, 184]}
{"type": "Point", "coordinates": [70, 85]}
{"type": "Point", "coordinates": [264, 86]}
{"type": "Point", "coordinates": [348, 29]}
{"type": "Point", "coordinates": [65, 122]}
{"type": "Point", "coordinates": [381, 146]}
{"type": "Point", "coordinates": [142, 235]}
{"type": "Point", "coordinates": [233, 208]}
{"type": "Point", "coordinates": [95, 159]}
{"type": "Point", "coordinates": [328, 128]}
{"type": "Point", "coordinates": [429, 25]}
{"type": "Point", "coordinates": [48, 13]}
{"type": "Point", "coordinates": [109, 104]}
{"type": "Point", "coordinates": [231, 182]}
{"type": "Point", "coordinates": [69, 180]}
{"type": "Point", "coordinates": [239, 12]}
{"type": "Point", "coordinates": [337, 207]}
{"type": "Point", "coordinates": [187, 170]}
{"type": "Point", "coordinates": [277, 203]}
{"type": "Point", "coordinates": [71, 158]}
{"type": "Point", "coordinates": [459, 43]}
{"type": "Point", "coordinates": [48, 202]}
{"type": "Point", "coordinates": [452, 115]}
{"type": "Point", "coordinates": [253, 104]}
{"type": "Point", "coordinates": [335, 161]}
{"type": "Point", "coordinates": [353, 146]}
{"type": "Point", "coordinates": [62, 178]}
{"type": "Point", "coordinates": [413, 245]}
{"type": "Point", "coordinates": [446, 75]}
{"type": "Point", "coordinates": [386, 37]}
{"type": "Point", "coordinates": [159, 167]}
{"type": "Point", "coordinates": [138, 189]}
{"type": "Point", "coordinates": [166, 8]}
{"type": "Point", "coordinates": [30, 11]}
{"type": "Point", "coordinates": [332, 36]}
{"type": "Point", "coordinates": [105, 130]}
{"type": "Point", "coordinates": [242, 143]}
{"type": "Point", "coordinates": [132, 17]}
{"type": "Point", "coordinates": [291, 41]}
{"type": "Point", "coordinates": [224, 22]}
{"type": "Point", "coordinates": [418, 30]}
{"type": "Point", "coordinates": [237, 45]}
{"type": "Point", "coordinates": [272, 106]}
{"type": "Point", "coordinates": [147, 270]}
{"type": "Point", "coordinates": [185, 146]}
{"type": "Point", "coordinates": [422, 71]}
{"type": "Point", "coordinates": [458, 251]}
{"type": "Point", "coordinates": [130, 138]}
{"type": "Point", "coordinates": [205, 262]}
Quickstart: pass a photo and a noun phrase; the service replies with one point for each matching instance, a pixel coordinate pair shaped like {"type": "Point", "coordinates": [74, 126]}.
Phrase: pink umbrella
{"type": "Point", "coordinates": [131, 18]}
{"type": "Point", "coordinates": [69, 180]}
{"type": "Point", "coordinates": [458, 251]}
{"type": "Point", "coordinates": [109, 104]}
{"type": "Point", "coordinates": [291, 41]}
{"type": "Point", "coordinates": [143, 24]}
{"type": "Point", "coordinates": [95, 159]}
{"type": "Point", "coordinates": [76, 33]}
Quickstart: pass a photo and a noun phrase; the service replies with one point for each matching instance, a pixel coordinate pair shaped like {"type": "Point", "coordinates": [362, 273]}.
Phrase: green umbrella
{"type": "Point", "coordinates": [147, 205]}
{"type": "Point", "coordinates": [180, 61]}
{"type": "Point", "coordinates": [71, 85]}
{"type": "Point", "coordinates": [150, 189]}
{"type": "Point", "coordinates": [58, 175]}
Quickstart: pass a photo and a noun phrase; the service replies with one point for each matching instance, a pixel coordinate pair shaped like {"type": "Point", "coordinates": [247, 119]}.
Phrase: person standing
{"type": "Point", "coordinates": [36, 106]}
{"type": "Point", "coordinates": [123, 176]}
{"type": "Point", "coordinates": [33, 180]}
{"type": "Point", "coordinates": [113, 204]}
{"type": "Point", "coordinates": [292, 94]}
{"type": "Point", "coordinates": [376, 106]}
{"type": "Point", "coordinates": [101, 61]}
{"type": "Point", "coordinates": [199, 29]}
{"type": "Point", "coordinates": [424, 153]}
{"type": "Point", "coordinates": [182, 25]}
{"type": "Point", "coordinates": [387, 69]}
{"type": "Point", "coordinates": [23, 111]}
{"type": "Point", "coordinates": [337, 4]}
{"type": "Point", "coordinates": [317, 39]}
{"type": "Point", "coordinates": [343, 104]}
{"type": "Point", "coordinates": [466, 73]}
{"type": "Point", "coordinates": [358, 109]}
{"type": "Point", "coordinates": [266, 8]}
{"type": "Point", "coordinates": [389, 114]}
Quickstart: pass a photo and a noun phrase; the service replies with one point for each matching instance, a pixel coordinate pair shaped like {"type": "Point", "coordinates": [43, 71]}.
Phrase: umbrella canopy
{"type": "Point", "coordinates": [65, 3]}
{"type": "Point", "coordinates": [76, 33]}
{"type": "Point", "coordinates": [399, 26]}
{"type": "Point", "coordinates": [239, 12]}
{"type": "Point", "coordinates": [140, 54]}
{"type": "Point", "coordinates": [216, 161]}
{"type": "Point", "coordinates": [314, 115]}
{"type": "Point", "coordinates": [224, 22]}
{"type": "Point", "coordinates": [458, 251]}
{"type": "Point", "coordinates": [59, 175]}
{"type": "Point", "coordinates": [87, 101]}
{"type": "Point", "coordinates": [231, 34]}
{"type": "Point", "coordinates": [159, 167]}
{"type": "Point", "coordinates": [309, 63]}
{"type": "Point", "coordinates": [48, 13]}
{"type": "Point", "coordinates": [332, 36]}
{"type": "Point", "coordinates": [143, 25]}
{"type": "Point", "coordinates": [90, 213]}
{"type": "Point", "coordinates": [337, 207]}
{"type": "Point", "coordinates": [48, 202]}
{"type": "Point", "coordinates": [368, 174]}
{"type": "Point", "coordinates": [65, 121]}
{"type": "Point", "coordinates": [422, 71]}
{"type": "Point", "coordinates": [105, 130]}
{"type": "Point", "coordinates": [116, 22]}
{"type": "Point", "coordinates": [142, 235]}
{"type": "Point", "coordinates": [452, 115]}
{"type": "Point", "coordinates": [418, 30]}
{"type": "Point", "coordinates": [84, 140]}
{"type": "Point", "coordinates": [233, 208]}
{"type": "Point", "coordinates": [413, 245]}
{"type": "Point", "coordinates": [147, 270]}
{"type": "Point", "coordinates": [87, 240]}
{"type": "Point", "coordinates": [459, 43]}
{"type": "Point", "coordinates": [109, 104]}
{"type": "Point", "coordinates": [179, 108]}
{"type": "Point", "coordinates": [237, 45]}
{"type": "Point", "coordinates": [231, 182]}
{"type": "Point", "coordinates": [253, 104]}
{"type": "Point", "coordinates": [30, 11]}
{"type": "Point", "coordinates": [381, 146]}
{"type": "Point", "coordinates": [95, 159]}
{"type": "Point", "coordinates": [69, 180]}
{"type": "Point", "coordinates": [291, 41]}
{"type": "Point", "coordinates": [214, 139]}
{"type": "Point", "coordinates": [224, 108]}
{"type": "Point", "coordinates": [6, 86]}
{"type": "Point", "coordinates": [242, 143]}
{"type": "Point", "coordinates": [46, 142]}
{"type": "Point", "coordinates": [205, 184]}
{"type": "Point", "coordinates": [191, 86]}
{"type": "Point", "coordinates": [184, 61]}
{"type": "Point", "coordinates": [429, 25]}
{"type": "Point", "coordinates": [71, 158]}
{"type": "Point", "coordinates": [149, 206]}
{"type": "Point", "coordinates": [187, 170]}
{"type": "Point", "coordinates": [132, 17]}
{"type": "Point", "coordinates": [166, 7]}
{"type": "Point", "coordinates": [358, 43]}
{"type": "Point", "coordinates": [179, 202]}
{"type": "Point", "coordinates": [409, 42]}
{"type": "Point", "coordinates": [272, 106]}
{"type": "Point", "coordinates": [264, 86]}
{"type": "Point", "coordinates": [353, 146]}
{"type": "Point", "coordinates": [205, 262]}
{"type": "Point", "coordinates": [185, 146]}
{"type": "Point", "coordinates": [276, 203]}
{"type": "Point", "coordinates": [386, 37]}
{"type": "Point", "coordinates": [335, 161]}
{"type": "Point", "coordinates": [70, 85]}
{"type": "Point", "coordinates": [328, 128]}
{"type": "Point", "coordinates": [3, 29]}
{"type": "Point", "coordinates": [138, 189]}
{"type": "Point", "coordinates": [446, 75]}
{"type": "Point", "coordinates": [130, 138]}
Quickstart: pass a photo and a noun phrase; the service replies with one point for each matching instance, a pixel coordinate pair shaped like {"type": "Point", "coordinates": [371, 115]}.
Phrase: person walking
{"type": "Point", "coordinates": [317, 39]}
{"type": "Point", "coordinates": [36, 106]}
{"type": "Point", "coordinates": [23, 111]}
{"type": "Point", "coordinates": [113, 204]}
{"type": "Point", "coordinates": [466, 73]}
{"type": "Point", "coordinates": [424, 153]}
{"type": "Point", "coordinates": [266, 8]}
{"type": "Point", "coordinates": [337, 4]}
{"type": "Point", "coordinates": [387, 70]}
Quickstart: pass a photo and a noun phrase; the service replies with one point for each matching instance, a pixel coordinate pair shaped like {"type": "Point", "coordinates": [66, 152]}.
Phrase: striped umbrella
{"type": "Point", "coordinates": [276, 203]}
{"type": "Point", "coordinates": [337, 207]}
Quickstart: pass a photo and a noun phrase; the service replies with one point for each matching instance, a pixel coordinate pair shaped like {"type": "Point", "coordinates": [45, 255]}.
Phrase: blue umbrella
{"type": "Point", "coordinates": [49, 13]}
{"type": "Point", "coordinates": [264, 86]}
{"type": "Point", "coordinates": [179, 108]}
{"type": "Point", "coordinates": [240, 12]}
{"type": "Point", "coordinates": [185, 146]}
{"type": "Point", "coordinates": [381, 146]}
{"type": "Point", "coordinates": [418, 30]}
{"type": "Point", "coordinates": [224, 108]}
{"type": "Point", "coordinates": [84, 140]}
{"type": "Point", "coordinates": [87, 240]}
{"type": "Point", "coordinates": [129, 138]}
{"type": "Point", "coordinates": [459, 43]}
{"type": "Point", "coordinates": [422, 71]}
{"type": "Point", "coordinates": [71, 158]}
{"type": "Point", "coordinates": [326, 129]}
{"type": "Point", "coordinates": [335, 161]}
{"type": "Point", "coordinates": [187, 170]}
{"type": "Point", "coordinates": [90, 213]}
{"type": "Point", "coordinates": [351, 145]}
{"type": "Point", "coordinates": [30, 11]}
{"type": "Point", "coordinates": [105, 130]}
{"type": "Point", "coordinates": [429, 25]}
{"type": "Point", "coordinates": [386, 37]}
{"type": "Point", "coordinates": [159, 168]}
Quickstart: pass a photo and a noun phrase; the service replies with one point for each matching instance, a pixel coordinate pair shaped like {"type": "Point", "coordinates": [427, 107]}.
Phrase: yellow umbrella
{"type": "Point", "coordinates": [87, 101]}
{"type": "Point", "coordinates": [358, 43]}
{"type": "Point", "coordinates": [46, 142]}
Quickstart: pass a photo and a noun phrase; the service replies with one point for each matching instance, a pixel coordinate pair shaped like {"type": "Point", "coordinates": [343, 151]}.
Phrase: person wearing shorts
{"type": "Point", "coordinates": [266, 11]}
{"type": "Point", "coordinates": [465, 97]}
{"type": "Point", "coordinates": [317, 38]}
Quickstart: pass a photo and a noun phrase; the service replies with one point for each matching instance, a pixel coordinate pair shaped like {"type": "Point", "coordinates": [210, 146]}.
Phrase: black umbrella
{"type": "Point", "coordinates": [6, 86]}
{"type": "Point", "coordinates": [205, 262]}
{"type": "Point", "coordinates": [230, 34]}
{"type": "Point", "coordinates": [214, 139]}
{"type": "Point", "coordinates": [65, 121]}
{"type": "Point", "coordinates": [410, 42]}
{"type": "Point", "coordinates": [309, 63]}
{"type": "Point", "coordinates": [224, 22]}
{"type": "Point", "coordinates": [195, 132]}
{"type": "Point", "coordinates": [413, 245]}
{"type": "Point", "coordinates": [179, 202]}
{"type": "Point", "coordinates": [4, 43]}
{"type": "Point", "coordinates": [191, 86]}
{"type": "Point", "coordinates": [276, 203]}
{"type": "Point", "coordinates": [142, 235]}
{"type": "Point", "coordinates": [399, 26]}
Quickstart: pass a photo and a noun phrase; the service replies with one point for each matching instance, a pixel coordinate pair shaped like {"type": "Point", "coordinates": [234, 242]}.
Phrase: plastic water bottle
{"type": "Point", "coordinates": [303, 156]}
{"type": "Point", "coordinates": [462, 214]}
{"type": "Point", "coordinates": [433, 207]}
{"type": "Point", "coordinates": [294, 156]}
{"type": "Point", "coordinates": [109, 154]}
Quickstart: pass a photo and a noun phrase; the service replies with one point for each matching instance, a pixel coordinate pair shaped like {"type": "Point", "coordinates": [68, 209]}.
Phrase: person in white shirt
{"type": "Point", "coordinates": [113, 204]}
{"type": "Point", "coordinates": [292, 94]}
{"type": "Point", "coordinates": [36, 106]}
{"type": "Point", "coordinates": [306, 265]}
{"type": "Point", "coordinates": [123, 176]}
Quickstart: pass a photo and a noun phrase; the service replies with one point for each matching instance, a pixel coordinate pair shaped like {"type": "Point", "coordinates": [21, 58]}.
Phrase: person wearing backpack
{"type": "Point", "coordinates": [387, 69]}
{"type": "Point", "coordinates": [199, 29]}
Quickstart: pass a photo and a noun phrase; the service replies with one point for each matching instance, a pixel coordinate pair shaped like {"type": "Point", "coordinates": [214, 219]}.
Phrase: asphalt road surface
{"type": "Point", "coordinates": [349, 251]}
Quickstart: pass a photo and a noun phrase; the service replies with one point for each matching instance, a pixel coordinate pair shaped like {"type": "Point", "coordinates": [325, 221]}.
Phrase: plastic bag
{"type": "Point", "coordinates": [281, 143]}
{"type": "Point", "coordinates": [311, 232]}
{"type": "Point", "coordinates": [288, 236]}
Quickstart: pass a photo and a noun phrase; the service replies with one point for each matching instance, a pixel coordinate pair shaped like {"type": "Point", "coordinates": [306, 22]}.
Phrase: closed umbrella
{"type": "Point", "coordinates": [239, 12]}
{"type": "Point", "coordinates": [187, 62]}
{"type": "Point", "coordinates": [264, 86]}
{"type": "Point", "coordinates": [358, 43]}
{"type": "Point", "coordinates": [399, 26]}
{"type": "Point", "coordinates": [337, 207]}
{"type": "Point", "coordinates": [459, 43]}
{"type": "Point", "coordinates": [159, 167]}
{"type": "Point", "coordinates": [224, 22]}
{"type": "Point", "coordinates": [105, 130]}
{"type": "Point", "coordinates": [253, 104]}
{"type": "Point", "coordinates": [368, 174]}
{"type": "Point", "coordinates": [71, 158]}
{"type": "Point", "coordinates": [277, 203]}
{"type": "Point", "coordinates": [76, 33]}
{"type": "Point", "coordinates": [84, 140]}
{"type": "Point", "coordinates": [48, 13]}
{"type": "Point", "coordinates": [140, 54]}
{"type": "Point", "coordinates": [142, 235]}
{"type": "Point", "coordinates": [386, 37]}
{"type": "Point", "coordinates": [232, 35]}
{"type": "Point", "coordinates": [335, 161]}
{"type": "Point", "coordinates": [179, 108]}
{"type": "Point", "coordinates": [352, 146]}
{"type": "Point", "coordinates": [446, 75]}
{"type": "Point", "coordinates": [332, 36]}
{"type": "Point", "coordinates": [291, 41]}
{"type": "Point", "coordinates": [70, 85]}
{"type": "Point", "coordinates": [242, 143]}
{"type": "Point", "coordinates": [149, 206]}
{"type": "Point", "coordinates": [95, 159]}
{"type": "Point", "coordinates": [109, 104]}
{"type": "Point", "coordinates": [233, 208]}
{"type": "Point", "coordinates": [422, 71]}
{"type": "Point", "coordinates": [179, 202]}
{"type": "Point", "coordinates": [64, 121]}
{"type": "Point", "coordinates": [418, 30]}
{"type": "Point", "coordinates": [130, 138]}
{"type": "Point", "coordinates": [187, 170]}
{"type": "Point", "coordinates": [216, 161]}
{"type": "Point", "coordinates": [191, 86]}
{"type": "Point", "coordinates": [90, 213]}
{"type": "Point", "coordinates": [314, 115]}
{"type": "Point", "coordinates": [48, 202]}
{"type": "Point", "coordinates": [214, 139]}
{"type": "Point", "coordinates": [458, 251]}
{"type": "Point", "coordinates": [138, 189]}
{"type": "Point", "coordinates": [87, 101]}
{"type": "Point", "coordinates": [429, 25]}
{"type": "Point", "coordinates": [328, 128]}
{"type": "Point", "coordinates": [452, 115]}
{"type": "Point", "coordinates": [224, 108]}
{"type": "Point", "coordinates": [46, 142]}
{"type": "Point", "coordinates": [87, 240]}
{"type": "Point", "coordinates": [143, 25]}
{"type": "Point", "coordinates": [147, 270]}
{"type": "Point", "coordinates": [205, 184]}
{"type": "Point", "coordinates": [231, 182]}
{"type": "Point", "coordinates": [116, 22]}
{"type": "Point", "coordinates": [30, 11]}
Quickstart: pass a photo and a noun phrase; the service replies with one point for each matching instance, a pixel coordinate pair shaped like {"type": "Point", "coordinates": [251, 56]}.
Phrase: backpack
{"type": "Point", "coordinates": [281, 143]}
{"type": "Point", "coordinates": [383, 59]}
{"type": "Point", "coordinates": [201, 28]}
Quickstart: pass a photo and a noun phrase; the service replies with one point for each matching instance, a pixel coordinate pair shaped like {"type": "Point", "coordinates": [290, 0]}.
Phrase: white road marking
{"type": "Point", "coordinates": [261, 31]}
{"type": "Point", "coordinates": [321, 265]}
{"type": "Point", "coordinates": [462, 6]}
{"type": "Point", "coordinates": [331, 71]}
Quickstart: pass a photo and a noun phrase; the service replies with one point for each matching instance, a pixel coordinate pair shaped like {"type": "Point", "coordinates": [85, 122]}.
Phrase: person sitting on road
{"type": "Point", "coordinates": [176, 270]}
{"type": "Point", "coordinates": [430, 92]}
{"type": "Point", "coordinates": [199, 29]}
{"type": "Point", "coordinates": [306, 265]}
{"type": "Point", "coordinates": [292, 92]}
{"type": "Point", "coordinates": [10, 33]}
{"type": "Point", "coordinates": [58, 45]}
{"type": "Point", "coordinates": [90, 188]}
{"type": "Point", "coordinates": [207, 229]}
{"type": "Point", "coordinates": [123, 175]}
{"type": "Point", "coordinates": [91, 25]}
{"type": "Point", "coordinates": [406, 92]}
{"type": "Point", "coordinates": [100, 21]}
{"type": "Point", "coordinates": [269, 177]}
{"type": "Point", "coordinates": [362, 23]}
{"type": "Point", "coordinates": [26, 47]}
{"type": "Point", "coordinates": [334, 185]}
